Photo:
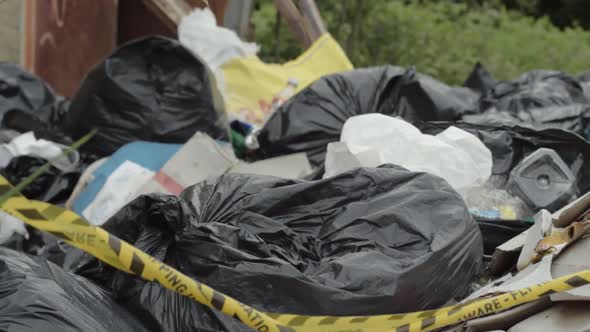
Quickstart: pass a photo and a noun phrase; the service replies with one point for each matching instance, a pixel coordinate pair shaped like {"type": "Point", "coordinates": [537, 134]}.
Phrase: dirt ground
{"type": "Point", "coordinates": [10, 17]}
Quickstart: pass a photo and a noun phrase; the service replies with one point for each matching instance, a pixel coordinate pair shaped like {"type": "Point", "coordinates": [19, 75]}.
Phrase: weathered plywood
{"type": "Point", "coordinates": [65, 38]}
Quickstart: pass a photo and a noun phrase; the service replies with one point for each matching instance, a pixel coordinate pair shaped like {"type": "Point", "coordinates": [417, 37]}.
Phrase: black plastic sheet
{"type": "Point", "coordinates": [534, 89]}
{"type": "Point", "coordinates": [313, 118]}
{"type": "Point", "coordinates": [369, 241]}
{"type": "Point", "coordinates": [28, 104]}
{"type": "Point", "coordinates": [539, 99]}
{"type": "Point", "coordinates": [584, 80]}
{"type": "Point", "coordinates": [36, 295]}
{"type": "Point", "coordinates": [151, 89]}
{"type": "Point", "coordinates": [53, 186]}
{"type": "Point", "coordinates": [480, 79]}
{"type": "Point", "coordinates": [575, 117]}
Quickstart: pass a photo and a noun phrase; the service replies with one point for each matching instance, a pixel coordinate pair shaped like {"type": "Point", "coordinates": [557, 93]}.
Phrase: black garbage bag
{"type": "Point", "coordinates": [28, 104]}
{"type": "Point", "coordinates": [152, 89]}
{"type": "Point", "coordinates": [40, 244]}
{"type": "Point", "coordinates": [36, 295]}
{"type": "Point", "coordinates": [538, 99]}
{"type": "Point", "coordinates": [54, 186]}
{"type": "Point", "coordinates": [480, 79]}
{"type": "Point", "coordinates": [575, 117]}
{"type": "Point", "coordinates": [533, 90]}
{"type": "Point", "coordinates": [510, 144]}
{"type": "Point", "coordinates": [369, 241]}
{"type": "Point", "coordinates": [314, 117]}
{"type": "Point", "coordinates": [584, 80]}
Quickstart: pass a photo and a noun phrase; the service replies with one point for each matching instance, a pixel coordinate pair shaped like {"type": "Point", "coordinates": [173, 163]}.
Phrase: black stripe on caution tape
{"type": "Point", "coordinates": [53, 212]}
{"type": "Point", "coordinates": [359, 319]}
{"type": "Point", "coordinates": [5, 188]}
{"type": "Point", "coordinates": [31, 214]}
{"type": "Point", "coordinates": [328, 321]}
{"type": "Point", "coordinates": [285, 329]}
{"type": "Point", "coordinates": [79, 221]}
{"type": "Point", "coordinates": [217, 300]}
{"type": "Point", "coordinates": [298, 321]}
{"type": "Point", "coordinates": [576, 281]}
{"type": "Point", "coordinates": [137, 265]}
{"type": "Point", "coordinates": [428, 322]}
{"type": "Point", "coordinates": [403, 328]}
{"type": "Point", "coordinates": [115, 244]}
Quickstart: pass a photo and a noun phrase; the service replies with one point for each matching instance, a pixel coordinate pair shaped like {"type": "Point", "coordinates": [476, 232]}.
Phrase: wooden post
{"type": "Point", "coordinates": [312, 19]}
{"type": "Point", "coordinates": [294, 20]}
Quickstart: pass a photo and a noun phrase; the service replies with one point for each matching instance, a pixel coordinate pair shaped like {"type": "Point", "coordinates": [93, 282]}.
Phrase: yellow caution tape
{"type": "Point", "coordinates": [123, 256]}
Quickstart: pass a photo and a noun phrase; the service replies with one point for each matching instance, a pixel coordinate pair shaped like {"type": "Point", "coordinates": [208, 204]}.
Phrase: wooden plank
{"type": "Point", "coordinates": [312, 19]}
{"type": "Point", "coordinates": [294, 20]}
{"type": "Point", "coordinates": [63, 39]}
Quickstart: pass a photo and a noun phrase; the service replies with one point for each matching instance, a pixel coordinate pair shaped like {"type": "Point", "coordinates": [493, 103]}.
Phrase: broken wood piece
{"type": "Point", "coordinates": [170, 12]}
{"type": "Point", "coordinates": [312, 19]}
{"type": "Point", "coordinates": [295, 21]}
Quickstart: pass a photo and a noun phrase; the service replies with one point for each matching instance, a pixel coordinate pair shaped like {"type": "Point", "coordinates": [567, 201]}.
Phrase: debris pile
{"type": "Point", "coordinates": [187, 185]}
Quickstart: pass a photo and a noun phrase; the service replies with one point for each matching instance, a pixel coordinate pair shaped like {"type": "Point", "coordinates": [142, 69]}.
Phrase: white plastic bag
{"type": "Point", "coordinates": [376, 139]}
{"type": "Point", "coordinates": [215, 45]}
{"type": "Point", "coordinates": [10, 225]}
{"type": "Point", "coordinates": [28, 145]}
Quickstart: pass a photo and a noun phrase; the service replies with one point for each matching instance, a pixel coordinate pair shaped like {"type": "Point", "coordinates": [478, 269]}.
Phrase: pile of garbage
{"type": "Point", "coordinates": [363, 192]}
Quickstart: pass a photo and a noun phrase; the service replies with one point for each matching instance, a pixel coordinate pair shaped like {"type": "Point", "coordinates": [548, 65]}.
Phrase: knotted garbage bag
{"type": "Point", "coordinates": [369, 241]}
{"type": "Point", "coordinates": [152, 89]}
{"type": "Point", "coordinates": [27, 103]}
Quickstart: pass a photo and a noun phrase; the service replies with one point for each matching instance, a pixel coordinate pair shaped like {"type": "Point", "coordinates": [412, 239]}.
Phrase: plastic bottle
{"type": "Point", "coordinates": [278, 100]}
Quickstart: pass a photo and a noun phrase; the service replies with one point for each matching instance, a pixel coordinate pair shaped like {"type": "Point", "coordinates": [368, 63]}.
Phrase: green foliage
{"type": "Point", "coordinates": [441, 38]}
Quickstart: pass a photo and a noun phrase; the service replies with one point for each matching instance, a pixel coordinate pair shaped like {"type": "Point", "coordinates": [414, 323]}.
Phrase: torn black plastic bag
{"type": "Point", "coordinates": [510, 144]}
{"type": "Point", "coordinates": [532, 90]}
{"type": "Point", "coordinates": [314, 117]}
{"type": "Point", "coordinates": [36, 295]}
{"type": "Point", "coordinates": [53, 186]}
{"type": "Point", "coordinates": [584, 80]}
{"type": "Point", "coordinates": [539, 99]}
{"type": "Point", "coordinates": [151, 89]}
{"type": "Point", "coordinates": [575, 117]}
{"type": "Point", "coordinates": [480, 79]}
{"type": "Point", "coordinates": [369, 241]}
{"type": "Point", "coordinates": [28, 104]}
